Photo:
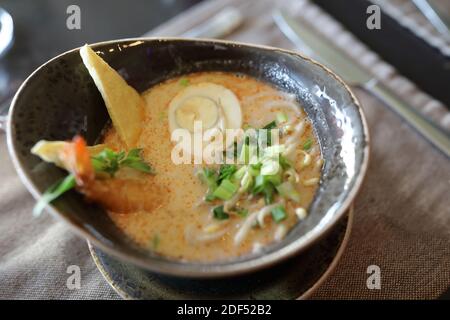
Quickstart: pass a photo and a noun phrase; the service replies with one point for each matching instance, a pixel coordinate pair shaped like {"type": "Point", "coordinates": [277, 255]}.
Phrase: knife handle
{"type": "Point", "coordinates": [438, 137]}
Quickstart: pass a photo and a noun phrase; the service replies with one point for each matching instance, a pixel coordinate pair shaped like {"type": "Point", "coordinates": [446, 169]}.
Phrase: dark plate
{"type": "Point", "coordinates": [60, 100]}
{"type": "Point", "coordinates": [298, 277]}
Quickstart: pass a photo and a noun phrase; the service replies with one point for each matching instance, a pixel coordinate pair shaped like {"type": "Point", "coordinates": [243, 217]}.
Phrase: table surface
{"type": "Point", "coordinates": [402, 218]}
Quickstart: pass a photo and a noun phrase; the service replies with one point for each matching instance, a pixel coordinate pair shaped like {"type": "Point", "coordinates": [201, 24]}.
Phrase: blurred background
{"type": "Point", "coordinates": [40, 30]}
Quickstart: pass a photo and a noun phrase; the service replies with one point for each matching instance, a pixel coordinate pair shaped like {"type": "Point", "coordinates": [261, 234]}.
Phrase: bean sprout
{"type": "Point", "coordinates": [310, 182]}
{"type": "Point", "coordinates": [301, 213]}
{"type": "Point", "coordinates": [280, 232]}
{"type": "Point", "coordinates": [250, 221]}
{"type": "Point", "coordinates": [193, 237]}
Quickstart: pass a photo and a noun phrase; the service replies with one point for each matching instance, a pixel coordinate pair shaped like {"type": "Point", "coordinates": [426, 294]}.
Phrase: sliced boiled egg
{"type": "Point", "coordinates": [197, 108]}
{"type": "Point", "coordinates": [215, 106]}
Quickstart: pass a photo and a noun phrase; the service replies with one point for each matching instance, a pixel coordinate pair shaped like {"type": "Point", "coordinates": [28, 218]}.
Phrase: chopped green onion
{"type": "Point", "coordinates": [274, 179]}
{"type": "Point", "coordinates": [239, 174]}
{"type": "Point", "coordinates": [260, 184]}
{"type": "Point", "coordinates": [274, 151]}
{"type": "Point", "coordinates": [248, 153]}
{"type": "Point", "coordinates": [226, 171]}
{"type": "Point", "coordinates": [282, 117]}
{"type": "Point", "coordinates": [270, 167]}
{"type": "Point", "coordinates": [184, 82]}
{"type": "Point", "coordinates": [308, 144]}
{"type": "Point", "coordinates": [269, 192]}
{"type": "Point", "coordinates": [209, 177]}
{"type": "Point", "coordinates": [265, 187]}
{"type": "Point", "coordinates": [225, 190]}
{"type": "Point", "coordinates": [254, 169]}
{"type": "Point", "coordinates": [279, 214]}
{"type": "Point", "coordinates": [162, 115]}
{"type": "Point", "coordinates": [284, 162]}
{"type": "Point", "coordinates": [270, 125]}
{"type": "Point", "coordinates": [220, 214]}
{"type": "Point", "coordinates": [287, 190]}
{"type": "Point", "coordinates": [155, 241]}
{"type": "Point", "coordinates": [54, 192]}
{"type": "Point", "coordinates": [264, 134]}
{"type": "Point", "coordinates": [242, 212]}
{"type": "Point", "coordinates": [246, 181]}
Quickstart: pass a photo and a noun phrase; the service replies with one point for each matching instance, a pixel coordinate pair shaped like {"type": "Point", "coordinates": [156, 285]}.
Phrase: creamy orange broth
{"type": "Point", "coordinates": [180, 205]}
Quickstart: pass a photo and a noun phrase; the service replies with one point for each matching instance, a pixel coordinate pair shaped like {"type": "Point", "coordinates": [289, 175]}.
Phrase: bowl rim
{"type": "Point", "coordinates": [201, 270]}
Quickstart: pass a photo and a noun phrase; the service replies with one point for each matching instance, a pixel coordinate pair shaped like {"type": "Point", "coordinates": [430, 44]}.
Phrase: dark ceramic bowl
{"type": "Point", "coordinates": [60, 100]}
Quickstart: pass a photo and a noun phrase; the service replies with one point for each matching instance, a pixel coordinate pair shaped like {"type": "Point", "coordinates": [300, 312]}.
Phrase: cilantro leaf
{"type": "Point", "coordinates": [110, 161]}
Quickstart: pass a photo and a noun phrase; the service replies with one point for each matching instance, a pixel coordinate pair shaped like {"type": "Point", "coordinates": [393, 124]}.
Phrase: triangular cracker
{"type": "Point", "coordinates": [125, 105]}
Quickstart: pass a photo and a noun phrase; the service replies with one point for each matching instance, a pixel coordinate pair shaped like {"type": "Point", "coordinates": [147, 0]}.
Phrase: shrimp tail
{"type": "Point", "coordinates": [77, 160]}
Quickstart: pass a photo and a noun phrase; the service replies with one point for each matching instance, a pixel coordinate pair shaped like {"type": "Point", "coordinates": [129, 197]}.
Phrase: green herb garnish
{"type": "Point", "coordinates": [284, 163]}
{"type": "Point", "coordinates": [287, 190]}
{"type": "Point", "coordinates": [54, 192]}
{"type": "Point", "coordinates": [107, 161]}
{"type": "Point", "coordinates": [242, 212]}
{"type": "Point", "coordinates": [270, 125]}
{"type": "Point", "coordinates": [279, 214]}
{"type": "Point", "coordinates": [162, 115]}
{"type": "Point", "coordinates": [155, 241]}
{"type": "Point", "coordinates": [282, 117]}
{"type": "Point", "coordinates": [267, 134]}
{"type": "Point", "coordinates": [110, 161]}
{"type": "Point", "coordinates": [226, 171]}
{"type": "Point", "coordinates": [184, 82]}
{"type": "Point", "coordinates": [220, 214]}
{"type": "Point", "coordinates": [308, 144]}
{"type": "Point", "coordinates": [225, 190]}
{"type": "Point", "coordinates": [264, 186]}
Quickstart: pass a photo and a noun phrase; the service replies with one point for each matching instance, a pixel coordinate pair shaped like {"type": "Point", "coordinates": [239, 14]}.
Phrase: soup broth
{"type": "Point", "coordinates": [181, 224]}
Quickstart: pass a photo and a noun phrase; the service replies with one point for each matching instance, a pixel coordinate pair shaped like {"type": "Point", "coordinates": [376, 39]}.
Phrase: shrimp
{"type": "Point", "coordinates": [119, 195]}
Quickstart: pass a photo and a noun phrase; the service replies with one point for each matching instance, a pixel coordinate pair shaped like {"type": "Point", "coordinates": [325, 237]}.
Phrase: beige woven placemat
{"type": "Point", "coordinates": [402, 215]}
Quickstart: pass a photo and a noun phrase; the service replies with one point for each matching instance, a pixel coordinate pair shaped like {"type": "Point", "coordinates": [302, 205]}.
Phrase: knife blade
{"type": "Point", "coordinates": [328, 54]}
{"type": "Point", "coordinates": [436, 17]}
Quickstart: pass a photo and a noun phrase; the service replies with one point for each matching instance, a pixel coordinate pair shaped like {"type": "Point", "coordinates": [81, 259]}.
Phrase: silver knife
{"type": "Point", "coordinates": [301, 35]}
{"type": "Point", "coordinates": [435, 15]}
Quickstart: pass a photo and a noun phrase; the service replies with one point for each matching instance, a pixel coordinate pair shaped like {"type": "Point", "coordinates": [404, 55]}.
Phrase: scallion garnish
{"type": "Point", "coordinates": [308, 144]}
{"type": "Point", "coordinates": [284, 163]}
{"type": "Point", "coordinates": [279, 214]}
{"type": "Point", "coordinates": [242, 212]}
{"type": "Point", "coordinates": [184, 82]}
{"type": "Point", "coordinates": [220, 214]}
{"type": "Point", "coordinates": [209, 177]}
{"type": "Point", "coordinates": [155, 241]}
{"type": "Point", "coordinates": [262, 172]}
{"type": "Point", "coordinates": [54, 192]}
{"type": "Point", "coordinates": [287, 190]}
{"type": "Point", "coordinates": [270, 125]}
{"type": "Point", "coordinates": [226, 171]}
{"type": "Point", "coordinates": [281, 117]}
{"type": "Point", "coordinates": [268, 192]}
{"type": "Point", "coordinates": [225, 190]}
